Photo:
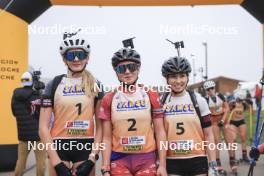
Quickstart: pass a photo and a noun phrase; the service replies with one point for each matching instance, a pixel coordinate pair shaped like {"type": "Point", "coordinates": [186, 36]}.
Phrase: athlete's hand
{"type": "Point", "coordinates": [62, 170]}
{"type": "Point", "coordinates": [161, 171]}
{"type": "Point", "coordinates": [254, 153]}
{"type": "Point", "coordinates": [85, 168]}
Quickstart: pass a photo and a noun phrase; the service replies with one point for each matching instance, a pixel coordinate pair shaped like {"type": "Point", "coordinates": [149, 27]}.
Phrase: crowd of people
{"type": "Point", "coordinates": [133, 123]}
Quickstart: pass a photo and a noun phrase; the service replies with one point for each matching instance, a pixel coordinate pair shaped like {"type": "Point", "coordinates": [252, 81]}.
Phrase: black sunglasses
{"type": "Point", "coordinates": [122, 68]}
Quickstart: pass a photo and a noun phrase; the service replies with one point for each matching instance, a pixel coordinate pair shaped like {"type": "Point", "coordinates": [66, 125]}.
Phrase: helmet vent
{"type": "Point", "coordinates": [66, 43]}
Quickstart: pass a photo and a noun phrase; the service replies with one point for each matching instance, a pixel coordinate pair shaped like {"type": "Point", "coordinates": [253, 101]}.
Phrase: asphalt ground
{"type": "Point", "coordinates": [242, 169]}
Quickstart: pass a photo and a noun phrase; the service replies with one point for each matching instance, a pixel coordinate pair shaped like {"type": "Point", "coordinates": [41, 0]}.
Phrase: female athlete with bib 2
{"type": "Point", "coordinates": [131, 116]}
{"type": "Point", "coordinates": [219, 109]}
{"type": "Point", "coordinates": [74, 101]}
{"type": "Point", "coordinates": [187, 123]}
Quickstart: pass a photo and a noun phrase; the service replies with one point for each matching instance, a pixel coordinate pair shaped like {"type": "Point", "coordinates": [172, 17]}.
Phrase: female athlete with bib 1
{"type": "Point", "coordinates": [187, 123]}
{"type": "Point", "coordinates": [74, 101]}
{"type": "Point", "coordinates": [131, 116]}
{"type": "Point", "coordinates": [219, 109]}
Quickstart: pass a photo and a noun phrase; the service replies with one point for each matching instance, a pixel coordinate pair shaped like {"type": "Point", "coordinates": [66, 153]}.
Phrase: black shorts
{"type": "Point", "coordinates": [74, 150]}
{"type": "Point", "coordinates": [237, 123]}
{"type": "Point", "coordinates": [188, 167]}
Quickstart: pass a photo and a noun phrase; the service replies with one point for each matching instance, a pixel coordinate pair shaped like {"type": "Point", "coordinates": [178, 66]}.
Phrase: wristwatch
{"type": "Point", "coordinates": [105, 169]}
{"type": "Point", "coordinates": [212, 164]}
{"type": "Point", "coordinates": [95, 156]}
{"type": "Point", "coordinates": [212, 168]}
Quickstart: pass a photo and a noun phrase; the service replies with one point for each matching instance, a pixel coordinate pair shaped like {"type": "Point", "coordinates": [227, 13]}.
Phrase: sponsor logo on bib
{"type": "Point", "coordinates": [178, 109]}
{"type": "Point", "coordinates": [78, 124]}
{"type": "Point", "coordinates": [73, 90]}
{"type": "Point", "coordinates": [133, 140]}
{"type": "Point", "coordinates": [131, 105]}
{"type": "Point", "coordinates": [132, 143]}
{"type": "Point", "coordinates": [181, 146]}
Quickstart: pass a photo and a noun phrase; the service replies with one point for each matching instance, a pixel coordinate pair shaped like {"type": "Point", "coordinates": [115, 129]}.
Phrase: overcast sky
{"type": "Point", "coordinates": [234, 39]}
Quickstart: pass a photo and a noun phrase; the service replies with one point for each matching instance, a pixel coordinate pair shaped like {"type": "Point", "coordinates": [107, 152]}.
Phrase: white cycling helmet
{"type": "Point", "coordinates": [26, 79]}
{"type": "Point", "coordinates": [209, 84]}
{"type": "Point", "coordinates": [72, 41]}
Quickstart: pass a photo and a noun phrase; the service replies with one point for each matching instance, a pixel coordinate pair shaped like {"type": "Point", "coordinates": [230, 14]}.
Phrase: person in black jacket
{"type": "Point", "coordinates": [26, 108]}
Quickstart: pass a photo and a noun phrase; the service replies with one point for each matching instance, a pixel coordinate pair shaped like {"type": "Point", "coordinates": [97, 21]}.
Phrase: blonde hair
{"type": "Point", "coordinates": [89, 83]}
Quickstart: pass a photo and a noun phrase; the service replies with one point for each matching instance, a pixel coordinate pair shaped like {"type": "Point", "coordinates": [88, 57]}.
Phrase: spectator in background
{"type": "Point", "coordinates": [26, 108]}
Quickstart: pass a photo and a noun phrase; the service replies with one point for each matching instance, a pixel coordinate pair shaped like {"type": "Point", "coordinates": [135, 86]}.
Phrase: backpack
{"type": "Point", "coordinates": [55, 84]}
{"type": "Point", "coordinates": [193, 99]}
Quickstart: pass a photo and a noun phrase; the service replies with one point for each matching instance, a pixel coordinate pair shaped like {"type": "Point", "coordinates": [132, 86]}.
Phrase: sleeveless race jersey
{"type": "Point", "coordinates": [183, 126]}
{"type": "Point", "coordinates": [216, 107]}
{"type": "Point", "coordinates": [238, 112]}
{"type": "Point", "coordinates": [132, 123]}
{"type": "Point", "coordinates": [73, 111]}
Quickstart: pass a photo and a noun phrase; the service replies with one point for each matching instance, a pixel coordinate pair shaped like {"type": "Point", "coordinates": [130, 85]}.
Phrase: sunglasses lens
{"type": "Point", "coordinates": [132, 67]}
{"type": "Point", "coordinates": [80, 54]}
{"type": "Point", "coordinates": [120, 69]}
{"type": "Point", "coordinates": [69, 56]}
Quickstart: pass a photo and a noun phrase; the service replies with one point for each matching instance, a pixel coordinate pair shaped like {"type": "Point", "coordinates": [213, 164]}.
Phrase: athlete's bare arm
{"type": "Point", "coordinates": [99, 130]}
{"type": "Point", "coordinates": [160, 137]}
{"type": "Point", "coordinates": [107, 140]}
{"type": "Point", "coordinates": [208, 135]}
{"type": "Point", "coordinates": [44, 133]}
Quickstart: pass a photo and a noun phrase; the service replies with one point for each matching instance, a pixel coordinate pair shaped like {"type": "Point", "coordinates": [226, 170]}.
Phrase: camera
{"type": "Point", "coordinates": [37, 84]}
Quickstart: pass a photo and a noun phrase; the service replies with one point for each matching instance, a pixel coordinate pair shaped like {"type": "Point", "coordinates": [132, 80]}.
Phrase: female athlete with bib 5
{"type": "Point", "coordinates": [187, 123]}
